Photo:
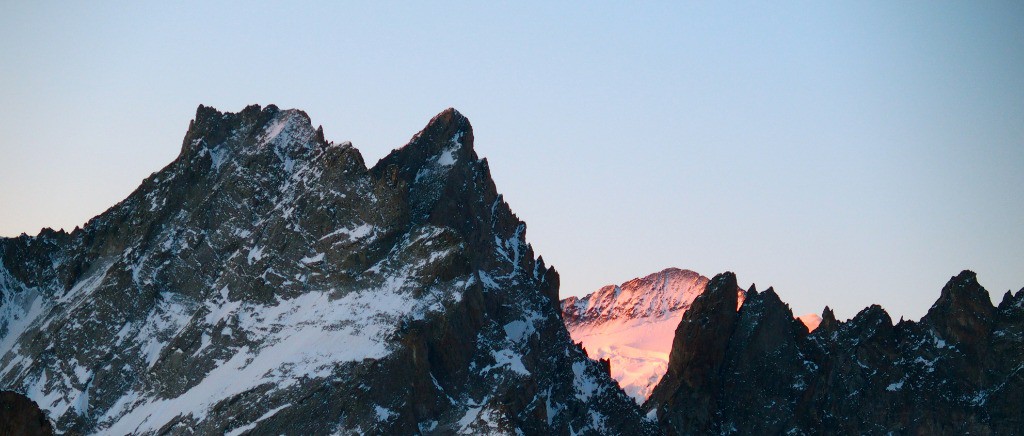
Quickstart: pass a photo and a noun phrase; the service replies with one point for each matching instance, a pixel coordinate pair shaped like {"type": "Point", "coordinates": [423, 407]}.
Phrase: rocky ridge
{"type": "Point", "coordinates": [758, 371]}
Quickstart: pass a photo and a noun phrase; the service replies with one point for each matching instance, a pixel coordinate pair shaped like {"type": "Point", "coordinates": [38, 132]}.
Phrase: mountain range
{"type": "Point", "coordinates": [267, 281]}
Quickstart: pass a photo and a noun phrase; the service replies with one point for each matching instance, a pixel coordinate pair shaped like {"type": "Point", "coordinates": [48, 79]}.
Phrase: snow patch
{"type": "Point", "coordinates": [302, 338]}
{"type": "Point", "coordinates": [255, 254]}
{"type": "Point", "coordinates": [447, 158]}
{"type": "Point", "coordinates": [319, 257]}
{"type": "Point", "coordinates": [252, 425]}
{"type": "Point", "coordinates": [384, 414]}
{"type": "Point", "coordinates": [354, 233]}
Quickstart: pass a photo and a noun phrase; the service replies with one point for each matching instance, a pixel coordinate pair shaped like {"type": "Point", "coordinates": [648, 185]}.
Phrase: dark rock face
{"type": "Point", "coordinates": [21, 416]}
{"type": "Point", "coordinates": [687, 388]}
{"type": "Point", "coordinates": [757, 371]}
{"type": "Point", "coordinates": [267, 281]}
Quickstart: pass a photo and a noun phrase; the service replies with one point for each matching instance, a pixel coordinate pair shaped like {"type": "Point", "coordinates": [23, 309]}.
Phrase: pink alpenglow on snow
{"type": "Point", "coordinates": [811, 320]}
{"type": "Point", "coordinates": [632, 324]}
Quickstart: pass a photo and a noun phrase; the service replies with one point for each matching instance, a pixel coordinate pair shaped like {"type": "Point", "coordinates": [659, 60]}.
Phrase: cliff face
{"type": "Point", "coordinates": [267, 281]}
{"type": "Point", "coordinates": [758, 371]}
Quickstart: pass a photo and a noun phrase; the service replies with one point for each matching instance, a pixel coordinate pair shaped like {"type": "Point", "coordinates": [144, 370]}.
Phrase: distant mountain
{"type": "Point", "coordinates": [959, 370]}
{"type": "Point", "coordinates": [810, 320]}
{"type": "Point", "coordinates": [267, 282]}
{"type": "Point", "coordinates": [632, 325]}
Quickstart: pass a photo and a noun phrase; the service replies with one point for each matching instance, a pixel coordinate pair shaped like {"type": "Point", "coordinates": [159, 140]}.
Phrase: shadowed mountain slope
{"type": "Point", "coordinates": [267, 281]}
{"type": "Point", "coordinates": [758, 371]}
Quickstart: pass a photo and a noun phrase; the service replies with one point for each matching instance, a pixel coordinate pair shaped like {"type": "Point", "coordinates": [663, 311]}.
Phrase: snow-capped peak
{"type": "Point", "coordinates": [811, 320]}
{"type": "Point", "coordinates": [632, 324]}
{"type": "Point", "coordinates": [657, 295]}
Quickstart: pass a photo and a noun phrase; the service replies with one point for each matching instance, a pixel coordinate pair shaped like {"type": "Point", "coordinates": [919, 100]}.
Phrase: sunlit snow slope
{"type": "Point", "coordinates": [811, 320]}
{"type": "Point", "coordinates": [632, 324]}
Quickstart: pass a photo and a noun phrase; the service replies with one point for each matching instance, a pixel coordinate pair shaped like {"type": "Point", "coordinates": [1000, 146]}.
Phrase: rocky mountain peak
{"type": "Point", "coordinates": [719, 294]}
{"type": "Point", "coordinates": [255, 127]}
{"type": "Point", "coordinates": [963, 293]}
{"type": "Point", "coordinates": [963, 313]}
{"type": "Point", "coordinates": [828, 320]}
{"type": "Point", "coordinates": [655, 295]}
{"type": "Point", "coordinates": [1012, 301]}
{"type": "Point", "coordinates": [871, 319]}
{"type": "Point", "coordinates": [268, 282]}
{"type": "Point", "coordinates": [446, 141]}
{"type": "Point", "coordinates": [768, 306]}
{"type": "Point", "coordinates": [766, 323]}
{"type": "Point", "coordinates": [447, 124]}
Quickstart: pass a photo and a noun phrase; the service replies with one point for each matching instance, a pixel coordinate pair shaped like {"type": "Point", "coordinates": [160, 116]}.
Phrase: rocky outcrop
{"type": "Point", "coordinates": [267, 281]}
{"type": "Point", "coordinates": [21, 416]}
{"type": "Point", "coordinates": [758, 371]}
{"type": "Point", "coordinates": [686, 397]}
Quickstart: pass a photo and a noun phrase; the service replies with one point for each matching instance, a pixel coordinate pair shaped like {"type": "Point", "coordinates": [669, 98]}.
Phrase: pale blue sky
{"type": "Point", "coordinates": [847, 154]}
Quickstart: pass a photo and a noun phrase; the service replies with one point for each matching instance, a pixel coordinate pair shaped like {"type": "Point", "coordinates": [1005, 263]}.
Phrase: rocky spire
{"type": "Point", "coordinates": [683, 399]}
{"type": "Point", "coordinates": [964, 312]}
{"type": "Point", "coordinates": [828, 320]}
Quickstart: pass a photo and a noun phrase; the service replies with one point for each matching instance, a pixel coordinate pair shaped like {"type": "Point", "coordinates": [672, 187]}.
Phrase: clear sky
{"type": "Point", "coordinates": [846, 153]}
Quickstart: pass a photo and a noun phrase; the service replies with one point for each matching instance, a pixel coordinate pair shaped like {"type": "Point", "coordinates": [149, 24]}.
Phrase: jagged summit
{"type": "Point", "coordinates": [257, 127]}
{"type": "Point", "coordinates": [963, 313]}
{"type": "Point", "coordinates": [963, 287]}
{"type": "Point", "coordinates": [446, 139]}
{"type": "Point", "coordinates": [446, 124]}
{"type": "Point", "coordinates": [828, 320]}
{"type": "Point", "coordinates": [267, 281]}
{"type": "Point", "coordinates": [963, 292]}
{"type": "Point", "coordinates": [289, 133]}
